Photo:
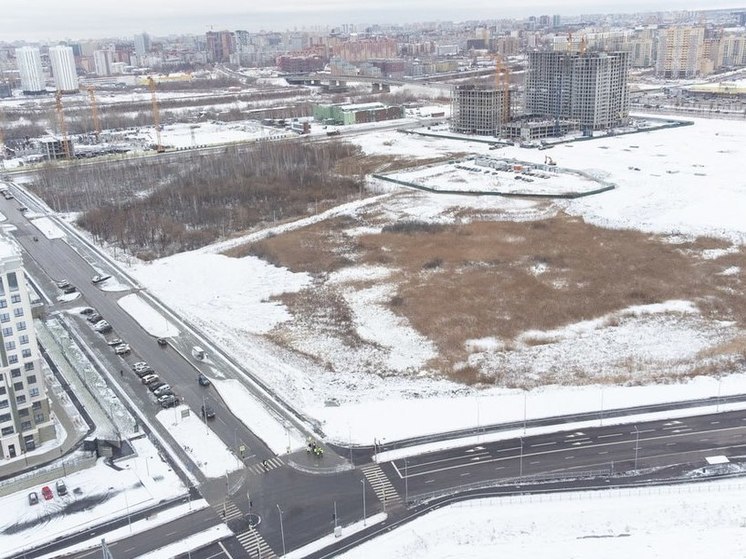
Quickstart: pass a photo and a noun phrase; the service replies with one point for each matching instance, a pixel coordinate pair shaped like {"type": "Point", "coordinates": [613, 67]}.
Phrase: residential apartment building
{"type": "Point", "coordinates": [680, 52]}
{"type": "Point", "coordinates": [480, 110]}
{"type": "Point", "coordinates": [220, 45]}
{"type": "Point", "coordinates": [30, 70]}
{"type": "Point", "coordinates": [588, 88]}
{"type": "Point", "coordinates": [25, 420]}
{"type": "Point", "coordinates": [63, 68]}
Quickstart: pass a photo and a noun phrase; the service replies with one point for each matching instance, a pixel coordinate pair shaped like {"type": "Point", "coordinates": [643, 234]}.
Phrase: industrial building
{"type": "Point", "coordinates": [30, 70]}
{"type": "Point", "coordinates": [25, 419]}
{"type": "Point", "coordinates": [356, 113]}
{"type": "Point", "coordinates": [480, 110]}
{"type": "Point", "coordinates": [63, 68]}
{"type": "Point", "coordinates": [589, 88]}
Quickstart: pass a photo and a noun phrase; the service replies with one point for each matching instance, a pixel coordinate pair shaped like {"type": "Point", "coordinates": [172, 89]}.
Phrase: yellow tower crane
{"type": "Point", "coordinates": [61, 123]}
{"type": "Point", "coordinates": [2, 139]}
{"type": "Point", "coordinates": [94, 111]}
{"type": "Point", "coordinates": [156, 116]}
{"type": "Point", "coordinates": [502, 83]}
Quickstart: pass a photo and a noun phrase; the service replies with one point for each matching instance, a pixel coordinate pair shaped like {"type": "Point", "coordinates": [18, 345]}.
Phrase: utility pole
{"type": "Point", "coordinates": [637, 445]}
{"type": "Point", "coordinates": [406, 483]}
{"type": "Point", "coordinates": [282, 531]}
{"type": "Point", "coordinates": [362, 481]}
{"type": "Point", "coordinates": [520, 463]}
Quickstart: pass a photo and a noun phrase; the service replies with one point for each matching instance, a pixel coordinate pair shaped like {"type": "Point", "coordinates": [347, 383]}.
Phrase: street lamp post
{"type": "Point", "coordinates": [520, 461]}
{"type": "Point", "coordinates": [282, 531]}
{"type": "Point", "coordinates": [525, 397]}
{"type": "Point", "coordinates": [362, 481]}
{"type": "Point", "coordinates": [406, 482]}
{"type": "Point", "coordinates": [637, 444]}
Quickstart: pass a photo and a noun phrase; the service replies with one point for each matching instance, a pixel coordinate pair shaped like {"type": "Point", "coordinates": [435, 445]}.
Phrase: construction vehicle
{"type": "Point", "coordinates": [156, 116]}
{"type": "Point", "coordinates": [549, 161]}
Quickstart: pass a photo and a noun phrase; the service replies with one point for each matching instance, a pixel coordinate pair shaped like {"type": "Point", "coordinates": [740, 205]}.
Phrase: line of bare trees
{"type": "Point", "coordinates": [158, 208]}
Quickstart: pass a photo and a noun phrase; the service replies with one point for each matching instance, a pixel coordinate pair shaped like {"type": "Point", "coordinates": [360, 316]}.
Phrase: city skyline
{"type": "Point", "coordinates": [51, 21]}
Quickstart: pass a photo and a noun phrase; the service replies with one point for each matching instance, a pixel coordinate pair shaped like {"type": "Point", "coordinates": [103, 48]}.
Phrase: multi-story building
{"type": "Point", "coordinates": [220, 45]}
{"type": "Point", "coordinates": [589, 88]}
{"type": "Point", "coordinates": [25, 420]}
{"type": "Point", "coordinates": [142, 44]}
{"type": "Point", "coordinates": [30, 70]}
{"type": "Point", "coordinates": [63, 68]}
{"type": "Point", "coordinates": [102, 60]}
{"type": "Point", "coordinates": [481, 110]}
{"type": "Point", "coordinates": [680, 52]}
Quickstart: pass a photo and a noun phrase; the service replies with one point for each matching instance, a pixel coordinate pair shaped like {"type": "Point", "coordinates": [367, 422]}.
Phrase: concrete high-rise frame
{"type": "Point", "coordinates": [478, 109]}
{"type": "Point", "coordinates": [590, 88]}
{"type": "Point", "coordinates": [25, 420]}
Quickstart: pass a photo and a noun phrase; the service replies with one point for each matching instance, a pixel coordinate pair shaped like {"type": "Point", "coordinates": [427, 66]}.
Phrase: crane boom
{"type": "Point", "coordinates": [94, 111]}
{"type": "Point", "coordinates": [156, 116]}
{"type": "Point", "coordinates": [502, 83]}
{"type": "Point", "coordinates": [61, 123]}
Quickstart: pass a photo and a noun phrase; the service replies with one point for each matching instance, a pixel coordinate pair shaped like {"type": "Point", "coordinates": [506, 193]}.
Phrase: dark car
{"type": "Point", "coordinates": [203, 380]}
{"type": "Point", "coordinates": [162, 342]}
{"type": "Point", "coordinates": [208, 412]}
{"type": "Point", "coordinates": [95, 317]}
{"type": "Point", "coordinates": [70, 289]}
{"type": "Point", "coordinates": [155, 385]}
{"type": "Point", "coordinates": [33, 498]}
{"type": "Point", "coordinates": [99, 278]}
{"type": "Point", "coordinates": [87, 310]}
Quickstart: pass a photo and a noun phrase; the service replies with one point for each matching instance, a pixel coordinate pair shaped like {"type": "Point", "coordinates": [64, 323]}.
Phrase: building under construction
{"type": "Point", "coordinates": [480, 110]}
{"type": "Point", "coordinates": [589, 88]}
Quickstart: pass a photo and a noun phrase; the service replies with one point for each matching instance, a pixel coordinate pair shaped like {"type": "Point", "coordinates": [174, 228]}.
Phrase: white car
{"type": "Point", "coordinates": [101, 325]}
{"type": "Point", "coordinates": [162, 389]}
{"type": "Point", "coordinates": [121, 349]}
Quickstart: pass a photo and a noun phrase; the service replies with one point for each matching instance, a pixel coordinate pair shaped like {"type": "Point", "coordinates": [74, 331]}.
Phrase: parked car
{"type": "Point", "coordinates": [162, 341]}
{"type": "Point", "coordinates": [69, 289]}
{"type": "Point", "coordinates": [22, 209]}
{"type": "Point", "coordinates": [147, 379]}
{"type": "Point", "coordinates": [103, 327]}
{"type": "Point", "coordinates": [203, 380]}
{"type": "Point", "coordinates": [87, 310]}
{"type": "Point", "coordinates": [168, 401]}
{"type": "Point", "coordinates": [46, 492]}
{"type": "Point", "coordinates": [62, 284]}
{"type": "Point", "coordinates": [144, 372]}
{"type": "Point", "coordinates": [156, 384]}
{"type": "Point", "coordinates": [208, 412]}
{"type": "Point", "coordinates": [98, 278]}
{"type": "Point", "coordinates": [161, 390]}
{"type": "Point", "coordinates": [61, 488]}
{"type": "Point", "coordinates": [122, 349]}
{"type": "Point", "coordinates": [95, 317]}
{"type": "Point", "coordinates": [33, 498]}
{"type": "Point", "coordinates": [115, 342]}
{"type": "Point", "coordinates": [139, 365]}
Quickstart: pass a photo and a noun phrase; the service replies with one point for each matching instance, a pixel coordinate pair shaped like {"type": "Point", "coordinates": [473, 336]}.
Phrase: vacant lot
{"type": "Point", "coordinates": [506, 280]}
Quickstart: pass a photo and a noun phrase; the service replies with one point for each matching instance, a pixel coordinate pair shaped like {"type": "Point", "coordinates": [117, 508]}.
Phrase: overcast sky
{"type": "Point", "coordinates": [38, 20]}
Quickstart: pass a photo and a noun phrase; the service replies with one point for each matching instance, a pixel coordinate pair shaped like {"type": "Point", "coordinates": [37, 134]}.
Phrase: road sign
{"type": "Point", "coordinates": [185, 413]}
{"type": "Point", "coordinates": [242, 449]}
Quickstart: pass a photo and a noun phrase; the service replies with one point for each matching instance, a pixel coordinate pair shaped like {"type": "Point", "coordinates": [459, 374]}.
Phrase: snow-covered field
{"type": "Point", "coordinates": [151, 320]}
{"type": "Point", "coordinates": [701, 520]}
{"type": "Point", "coordinates": [48, 228]}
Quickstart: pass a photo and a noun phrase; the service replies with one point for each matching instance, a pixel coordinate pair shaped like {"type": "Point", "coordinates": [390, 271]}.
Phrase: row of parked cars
{"type": "Point", "coordinates": [160, 389]}
{"type": "Point", "coordinates": [46, 493]}
{"type": "Point", "coordinates": [103, 327]}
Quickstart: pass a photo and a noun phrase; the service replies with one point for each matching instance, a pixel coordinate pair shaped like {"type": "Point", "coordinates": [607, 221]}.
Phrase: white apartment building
{"type": "Point", "coordinates": [63, 68]}
{"type": "Point", "coordinates": [103, 60]}
{"type": "Point", "coordinates": [25, 420]}
{"type": "Point", "coordinates": [680, 52]}
{"type": "Point", "coordinates": [28, 60]}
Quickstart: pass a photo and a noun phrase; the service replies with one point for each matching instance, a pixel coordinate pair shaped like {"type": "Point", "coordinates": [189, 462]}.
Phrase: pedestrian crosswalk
{"type": "Point", "coordinates": [254, 544]}
{"type": "Point", "coordinates": [227, 510]}
{"type": "Point", "coordinates": [385, 491]}
{"type": "Point", "coordinates": [266, 465]}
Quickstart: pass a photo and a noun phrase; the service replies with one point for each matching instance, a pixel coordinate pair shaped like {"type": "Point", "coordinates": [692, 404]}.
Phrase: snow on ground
{"type": "Point", "coordinates": [146, 316]}
{"type": "Point", "coordinates": [195, 541]}
{"type": "Point", "coordinates": [279, 438]}
{"type": "Point", "coordinates": [204, 447]}
{"type": "Point", "coordinates": [67, 297]}
{"type": "Point", "coordinates": [216, 288]}
{"type": "Point", "coordinates": [700, 520]}
{"type": "Point", "coordinates": [184, 135]}
{"type": "Point", "coordinates": [346, 531]}
{"type": "Point", "coordinates": [93, 494]}
{"type": "Point", "coordinates": [137, 527]}
{"type": "Point", "coordinates": [48, 228]}
{"type": "Point", "coordinates": [113, 284]}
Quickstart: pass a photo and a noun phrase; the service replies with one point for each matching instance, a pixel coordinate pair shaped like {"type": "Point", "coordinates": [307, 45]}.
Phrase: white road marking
{"type": "Point", "coordinates": [610, 435]}
{"type": "Point", "coordinates": [543, 444]}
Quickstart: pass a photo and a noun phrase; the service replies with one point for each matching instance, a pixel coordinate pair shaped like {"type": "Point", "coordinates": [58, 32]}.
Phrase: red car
{"type": "Point", "coordinates": [47, 493]}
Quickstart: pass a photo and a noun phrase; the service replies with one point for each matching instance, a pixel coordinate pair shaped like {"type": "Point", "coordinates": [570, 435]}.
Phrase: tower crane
{"type": "Point", "coordinates": [2, 139]}
{"type": "Point", "coordinates": [61, 123]}
{"type": "Point", "coordinates": [502, 83]}
{"type": "Point", "coordinates": [94, 111]}
{"type": "Point", "coordinates": [156, 116]}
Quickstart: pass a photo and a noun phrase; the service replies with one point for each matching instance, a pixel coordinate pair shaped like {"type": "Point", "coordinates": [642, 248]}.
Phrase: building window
{"type": "Point", "coordinates": [23, 412]}
{"type": "Point", "coordinates": [18, 386]}
{"type": "Point", "coordinates": [39, 418]}
{"type": "Point", "coordinates": [15, 298]}
{"type": "Point", "coordinates": [10, 345]}
{"type": "Point", "coordinates": [31, 379]}
{"type": "Point", "coordinates": [3, 304]}
{"type": "Point", "coordinates": [4, 317]}
{"type": "Point", "coordinates": [15, 373]}
{"type": "Point", "coordinates": [21, 399]}
{"type": "Point", "coordinates": [23, 340]}
{"type": "Point", "coordinates": [25, 425]}
{"type": "Point", "coordinates": [7, 431]}
{"type": "Point", "coordinates": [12, 359]}
{"type": "Point", "coordinates": [20, 326]}
{"type": "Point", "coordinates": [7, 331]}
{"type": "Point", "coordinates": [18, 312]}
{"type": "Point", "coordinates": [26, 353]}
{"type": "Point", "coordinates": [3, 404]}
{"type": "Point", "coordinates": [33, 392]}
{"type": "Point", "coordinates": [12, 281]}
{"type": "Point", "coordinates": [3, 390]}
{"type": "Point", "coordinates": [28, 366]}
{"type": "Point", "coordinates": [4, 417]}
